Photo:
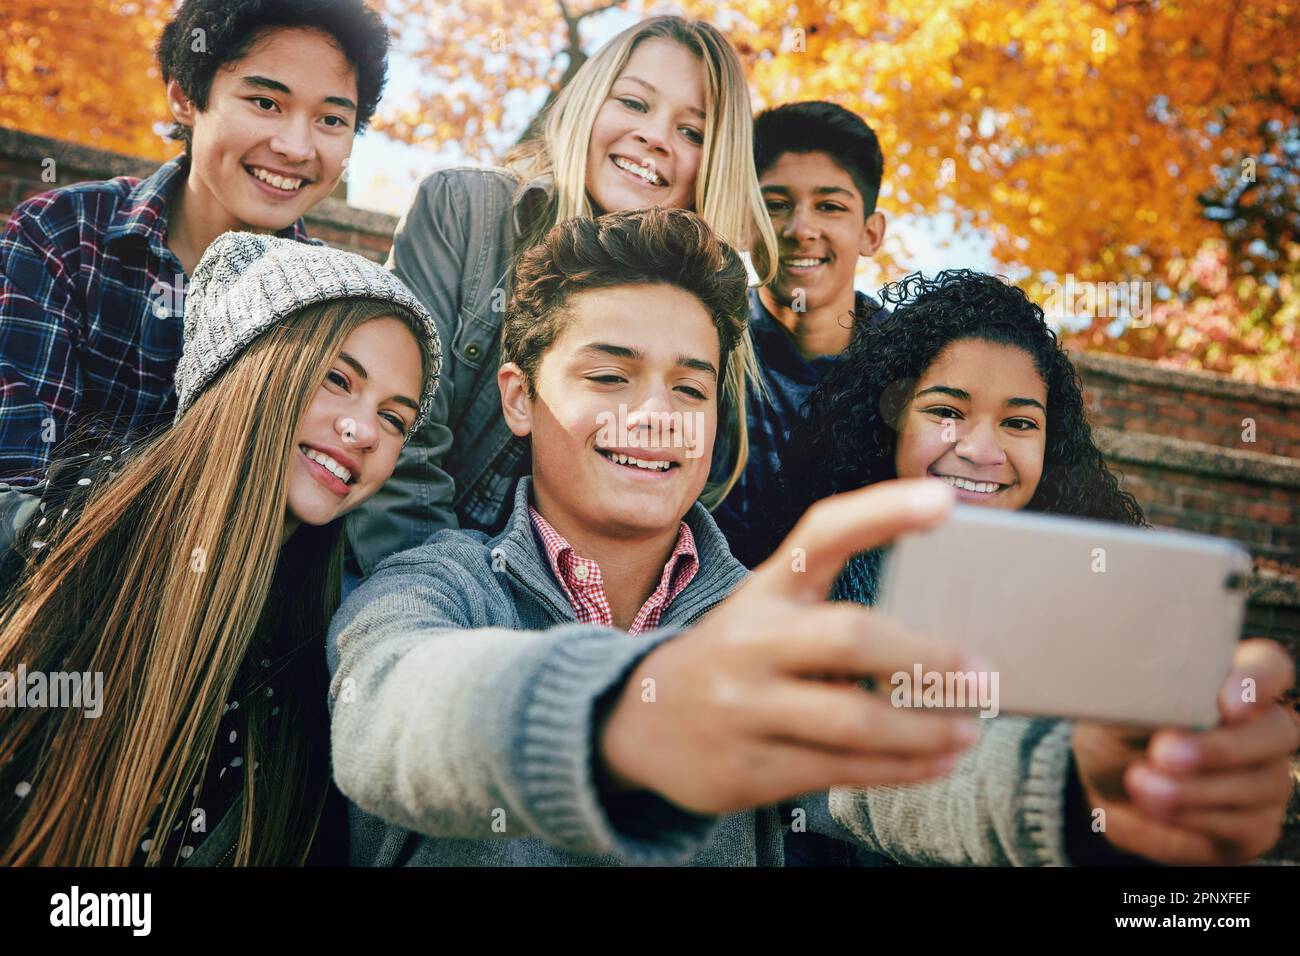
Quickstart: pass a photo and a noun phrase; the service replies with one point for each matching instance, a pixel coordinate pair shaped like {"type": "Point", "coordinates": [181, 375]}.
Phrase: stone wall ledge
{"type": "Point", "coordinates": [1177, 454]}
{"type": "Point", "coordinates": [1143, 372]}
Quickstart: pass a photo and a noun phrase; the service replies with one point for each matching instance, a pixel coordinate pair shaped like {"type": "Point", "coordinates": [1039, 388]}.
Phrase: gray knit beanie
{"type": "Point", "coordinates": [246, 283]}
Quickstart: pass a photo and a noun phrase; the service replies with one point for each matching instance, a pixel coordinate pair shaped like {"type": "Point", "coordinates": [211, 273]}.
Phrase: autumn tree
{"type": "Point", "coordinates": [479, 58]}
{"type": "Point", "coordinates": [1216, 319]}
{"type": "Point", "coordinates": [84, 70]}
{"type": "Point", "coordinates": [1108, 140]}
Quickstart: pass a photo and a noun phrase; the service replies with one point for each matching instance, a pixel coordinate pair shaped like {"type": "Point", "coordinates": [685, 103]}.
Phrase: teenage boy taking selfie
{"type": "Point", "coordinates": [602, 683]}
{"type": "Point", "coordinates": [267, 97]}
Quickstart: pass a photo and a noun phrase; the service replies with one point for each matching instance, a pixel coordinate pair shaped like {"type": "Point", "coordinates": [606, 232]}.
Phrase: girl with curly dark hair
{"type": "Point", "coordinates": [963, 382]}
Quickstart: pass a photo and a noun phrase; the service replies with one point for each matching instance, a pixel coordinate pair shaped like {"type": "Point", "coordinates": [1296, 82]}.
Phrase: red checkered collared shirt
{"type": "Point", "coordinates": [583, 585]}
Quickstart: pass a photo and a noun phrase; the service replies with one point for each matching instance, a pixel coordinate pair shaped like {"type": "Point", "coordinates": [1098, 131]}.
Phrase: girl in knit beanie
{"type": "Point", "coordinates": [182, 587]}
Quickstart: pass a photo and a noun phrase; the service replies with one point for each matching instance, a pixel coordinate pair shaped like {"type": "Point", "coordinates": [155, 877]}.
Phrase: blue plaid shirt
{"type": "Point", "coordinates": [91, 316]}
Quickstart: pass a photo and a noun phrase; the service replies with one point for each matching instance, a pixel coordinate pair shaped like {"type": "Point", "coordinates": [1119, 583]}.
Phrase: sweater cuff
{"type": "Point", "coordinates": [1044, 800]}
{"type": "Point", "coordinates": [554, 755]}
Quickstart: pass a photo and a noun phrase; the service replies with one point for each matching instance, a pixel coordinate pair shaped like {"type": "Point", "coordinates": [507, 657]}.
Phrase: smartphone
{"type": "Point", "coordinates": [1078, 618]}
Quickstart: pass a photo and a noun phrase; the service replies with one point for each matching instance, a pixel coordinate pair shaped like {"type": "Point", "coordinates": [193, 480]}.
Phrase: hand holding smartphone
{"type": "Point", "coordinates": [1079, 618]}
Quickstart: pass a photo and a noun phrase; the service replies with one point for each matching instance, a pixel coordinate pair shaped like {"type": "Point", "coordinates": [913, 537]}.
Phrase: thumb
{"type": "Point", "coordinates": [1261, 671]}
{"type": "Point", "coordinates": [836, 528]}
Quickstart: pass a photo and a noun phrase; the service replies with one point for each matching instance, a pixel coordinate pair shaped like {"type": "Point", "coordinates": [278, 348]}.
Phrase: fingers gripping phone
{"type": "Point", "coordinates": [1079, 618]}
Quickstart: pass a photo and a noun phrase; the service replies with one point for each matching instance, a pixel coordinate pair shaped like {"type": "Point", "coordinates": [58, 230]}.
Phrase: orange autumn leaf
{"type": "Point", "coordinates": [84, 71]}
{"type": "Point", "coordinates": [1082, 136]}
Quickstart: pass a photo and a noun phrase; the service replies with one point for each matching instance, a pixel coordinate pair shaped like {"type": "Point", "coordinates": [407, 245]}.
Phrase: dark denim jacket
{"type": "Point", "coordinates": [453, 248]}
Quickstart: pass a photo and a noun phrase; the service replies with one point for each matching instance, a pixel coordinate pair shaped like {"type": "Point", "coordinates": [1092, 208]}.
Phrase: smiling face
{"type": "Point", "coordinates": [625, 412]}
{"type": "Point", "coordinates": [348, 441]}
{"type": "Point", "coordinates": [819, 215]}
{"type": "Point", "coordinates": [648, 137]}
{"type": "Point", "coordinates": [978, 420]}
{"type": "Point", "coordinates": [276, 133]}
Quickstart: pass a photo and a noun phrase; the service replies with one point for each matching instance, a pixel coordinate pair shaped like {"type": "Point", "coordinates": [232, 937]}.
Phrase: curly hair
{"type": "Point", "coordinates": [848, 435]}
{"type": "Point", "coordinates": [229, 28]}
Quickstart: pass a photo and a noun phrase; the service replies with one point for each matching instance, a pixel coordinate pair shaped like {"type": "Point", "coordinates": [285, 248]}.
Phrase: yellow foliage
{"type": "Point", "coordinates": [84, 71]}
{"type": "Point", "coordinates": [1078, 129]}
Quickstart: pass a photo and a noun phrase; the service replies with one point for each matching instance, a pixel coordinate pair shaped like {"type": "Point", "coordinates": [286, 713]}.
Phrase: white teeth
{"type": "Point", "coordinates": [330, 465]}
{"type": "Point", "coordinates": [279, 182]}
{"type": "Point", "coordinates": [982, 487]}
{"type": "Point", "coordinates": [638, 462]}
{"type": "Point", "coordinates": [644, 172]}
{"type": "Point", "coordinates": [803, 263]}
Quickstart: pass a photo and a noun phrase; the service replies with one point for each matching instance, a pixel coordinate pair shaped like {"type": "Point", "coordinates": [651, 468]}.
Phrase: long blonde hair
{"type": "Point", "coordinates": [171, 578]}
{"type": "Point", "coordinates": [727, 195]}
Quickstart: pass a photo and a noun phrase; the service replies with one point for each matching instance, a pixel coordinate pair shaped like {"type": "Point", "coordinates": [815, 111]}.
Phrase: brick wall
{"type": "Point", "coordinates": [1176, 437]}
{"type": "Point", "coordinates": [1202, 407]}
{"type": "Point", "coordinates": [1208, 454]}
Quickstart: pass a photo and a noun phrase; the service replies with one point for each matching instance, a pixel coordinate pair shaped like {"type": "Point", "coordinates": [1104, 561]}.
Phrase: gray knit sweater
{"type": "Point", "coordinates": [464, 700]}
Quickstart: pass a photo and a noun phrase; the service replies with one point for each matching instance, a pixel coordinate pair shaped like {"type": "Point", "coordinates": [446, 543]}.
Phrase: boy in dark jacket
{"type": "Point", "coordinates": [820, 168]}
